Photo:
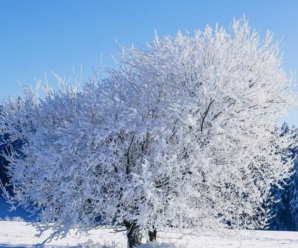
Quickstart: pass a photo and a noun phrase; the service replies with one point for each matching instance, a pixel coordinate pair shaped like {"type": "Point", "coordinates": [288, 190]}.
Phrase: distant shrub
{"type": "Point", "coordinates": [14, 218]}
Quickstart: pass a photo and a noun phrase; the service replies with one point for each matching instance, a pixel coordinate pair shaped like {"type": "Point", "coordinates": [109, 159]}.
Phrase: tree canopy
{"type": "Point", "coordinates": [183, 135]}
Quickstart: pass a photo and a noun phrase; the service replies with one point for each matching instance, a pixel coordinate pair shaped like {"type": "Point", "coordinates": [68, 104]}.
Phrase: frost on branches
{"type": "Point", "coordinates": [182, 136]}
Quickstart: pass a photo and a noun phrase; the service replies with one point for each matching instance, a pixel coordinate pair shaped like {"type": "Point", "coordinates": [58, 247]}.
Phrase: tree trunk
{"type": "Point", "coordinates": [134, 237]}
{"type": "Point", "coordinates": [152, 235]}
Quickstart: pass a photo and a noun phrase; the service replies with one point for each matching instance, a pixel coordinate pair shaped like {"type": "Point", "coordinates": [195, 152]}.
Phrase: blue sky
{"type": "Point", "coordinates": [42, 36]}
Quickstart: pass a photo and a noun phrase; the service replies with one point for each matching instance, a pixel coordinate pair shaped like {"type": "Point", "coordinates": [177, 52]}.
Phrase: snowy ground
{"type": "Point", "coordinates": [22, 234]}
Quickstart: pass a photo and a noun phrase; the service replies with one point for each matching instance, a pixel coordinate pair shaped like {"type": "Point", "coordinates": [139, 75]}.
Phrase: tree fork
{"type": "Point", "coordinates": [152, 235]}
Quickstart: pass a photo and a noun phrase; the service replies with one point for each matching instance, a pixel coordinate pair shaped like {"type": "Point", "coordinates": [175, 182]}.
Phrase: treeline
{"type": "Point", "coordinates": [6, 149]}
{"type": "Point", "coordinates": [285, 208]}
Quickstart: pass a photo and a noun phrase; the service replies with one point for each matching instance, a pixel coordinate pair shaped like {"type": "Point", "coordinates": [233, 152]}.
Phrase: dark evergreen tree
{"type": "Point", "coordinates": [5, 148]}
{"type": "Point", "coordinates": [285, 208]}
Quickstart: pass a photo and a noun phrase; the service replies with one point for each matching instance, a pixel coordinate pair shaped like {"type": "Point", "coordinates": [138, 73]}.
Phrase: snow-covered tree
{"type": "Point", "coordinates": [183, 135]}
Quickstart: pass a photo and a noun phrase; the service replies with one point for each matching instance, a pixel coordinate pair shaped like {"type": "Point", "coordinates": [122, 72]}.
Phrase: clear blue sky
{"type": "Point", "coordinates": [56, 35]}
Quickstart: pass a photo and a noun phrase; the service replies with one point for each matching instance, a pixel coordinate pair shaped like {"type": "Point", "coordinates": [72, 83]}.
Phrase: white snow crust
{"type": "Point", "coordinates": [16, 234]}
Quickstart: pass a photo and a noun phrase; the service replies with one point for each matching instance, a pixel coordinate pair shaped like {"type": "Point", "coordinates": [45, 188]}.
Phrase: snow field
{"type": "Point", "coordinates": [22, 234]}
